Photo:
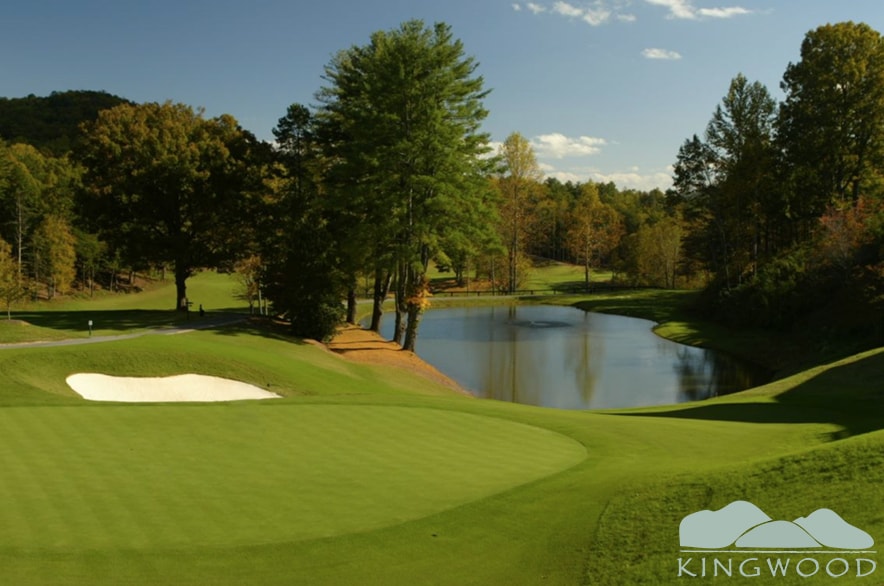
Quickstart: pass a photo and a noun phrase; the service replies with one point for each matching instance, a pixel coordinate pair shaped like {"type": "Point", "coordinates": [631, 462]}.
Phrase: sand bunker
{"type": "Point", "coordinates": [184, 387]}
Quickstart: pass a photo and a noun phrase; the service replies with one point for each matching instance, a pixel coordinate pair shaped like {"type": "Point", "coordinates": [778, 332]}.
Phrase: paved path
{"type": "Point", "coordinates": [202, 324]}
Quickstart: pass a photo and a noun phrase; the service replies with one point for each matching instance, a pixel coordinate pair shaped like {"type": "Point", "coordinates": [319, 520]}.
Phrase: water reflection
{"type": "Point", "coordinates": [569, 359]}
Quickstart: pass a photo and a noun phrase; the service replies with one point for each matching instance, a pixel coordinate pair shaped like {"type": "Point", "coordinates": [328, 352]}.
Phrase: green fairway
{"type": "Point", "coordinates": [362, 474]}
{"type": "Point", "coordinates": [168, 477]}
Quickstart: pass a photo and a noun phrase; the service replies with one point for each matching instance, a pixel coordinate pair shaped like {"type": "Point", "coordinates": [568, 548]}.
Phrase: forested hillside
{"type": "Point", "coordinates": [52, 123]}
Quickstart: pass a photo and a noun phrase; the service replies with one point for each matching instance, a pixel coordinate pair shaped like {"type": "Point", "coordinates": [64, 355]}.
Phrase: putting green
{"type": "Point", "coordinates": [169, 476]}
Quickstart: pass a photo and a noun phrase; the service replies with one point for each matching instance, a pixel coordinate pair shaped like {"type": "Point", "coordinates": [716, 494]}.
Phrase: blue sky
{"type": "Point", "coordinates": [606, 90]}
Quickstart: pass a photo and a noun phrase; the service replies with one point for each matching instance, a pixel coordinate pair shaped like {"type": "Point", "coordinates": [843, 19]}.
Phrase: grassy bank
{"type": "Point", "coordinates": [676, 321]}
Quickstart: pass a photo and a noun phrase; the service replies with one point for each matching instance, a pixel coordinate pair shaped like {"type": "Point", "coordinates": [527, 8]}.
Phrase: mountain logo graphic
{"type": "Point", "coordinates": [743, 525]}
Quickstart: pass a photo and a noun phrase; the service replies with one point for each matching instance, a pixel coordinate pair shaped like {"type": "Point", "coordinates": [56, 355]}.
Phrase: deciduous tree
{"type": "Point", "coordinates": [594, 231]}
{"type": "Point", "coordinates": [55, 255]}
{"type": "Point", "coordinates": [831, 125]}
{"type": "Point", "coordinates": [170, 186]}
{"type": "Point", "coordinates": [11, 289]}
{"type": "Point", "coordinates": [519, 182]}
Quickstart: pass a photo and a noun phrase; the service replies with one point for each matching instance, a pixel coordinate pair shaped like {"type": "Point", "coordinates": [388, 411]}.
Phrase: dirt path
{"type": "Point", "coordinates": [360, 345]}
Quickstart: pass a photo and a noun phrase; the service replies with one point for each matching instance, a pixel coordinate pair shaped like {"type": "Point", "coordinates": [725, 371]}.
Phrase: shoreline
{"type": "Point", "coordinates": [357, 344]}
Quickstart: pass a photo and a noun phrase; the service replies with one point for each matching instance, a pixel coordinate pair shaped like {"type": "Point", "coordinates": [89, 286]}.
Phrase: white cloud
{"type": "Point", "coordinates": [495, 149]}
{"type": "Point", "coordinates": [685, 10]}
{"type": "Point", "coordinates": [599, 12]}
{"type": "Point", "coordinates": [568, 10]}
{"type": "Point", "coordinates": [663, 54]}
{"type": "Point", "coordinates": [565, 176]}
{"type": "Point", "coordinates": [597, 17]}
{"type": "Point", "coordinates": [723, 12]}
{"type": "Point", "coordinates": [592, 12]}
{"type": "Point", "coordinates": [632, 179]}
{"type": "Point", "coordinates": [559, 146]}
{"type": "Point", "coordinates": [677, 8]}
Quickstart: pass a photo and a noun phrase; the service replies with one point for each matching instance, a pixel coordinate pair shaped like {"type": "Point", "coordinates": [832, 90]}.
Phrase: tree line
{"type": "Point", "coordinates": [782, 202]}
{"type": "Point", "coordinates": [773, 208]}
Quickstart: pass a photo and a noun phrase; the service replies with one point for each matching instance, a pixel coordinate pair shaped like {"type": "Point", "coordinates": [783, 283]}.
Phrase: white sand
{"type": "Point", "coordinates": [184, 387]}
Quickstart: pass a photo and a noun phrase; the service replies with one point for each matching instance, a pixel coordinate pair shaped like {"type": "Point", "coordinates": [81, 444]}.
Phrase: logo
{"type": "Point", "coordinates": [742, 540]}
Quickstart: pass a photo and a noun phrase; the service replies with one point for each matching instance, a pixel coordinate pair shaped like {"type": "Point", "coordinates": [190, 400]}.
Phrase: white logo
{"type": "Point", "coordinates": [829, 543]}
{"type": "Point", "coordinates": [746, 526]}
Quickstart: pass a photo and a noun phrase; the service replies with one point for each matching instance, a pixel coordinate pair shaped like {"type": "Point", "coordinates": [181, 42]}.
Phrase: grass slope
{"type": "Point", "coordinates": [362, 475]}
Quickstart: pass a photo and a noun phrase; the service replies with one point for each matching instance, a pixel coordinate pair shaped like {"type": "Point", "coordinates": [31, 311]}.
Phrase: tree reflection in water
{"type": "Point", "coordinates": [569, 359]}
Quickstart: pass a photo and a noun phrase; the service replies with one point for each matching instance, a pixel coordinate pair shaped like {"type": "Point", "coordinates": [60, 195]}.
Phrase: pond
{"type": "Point", "coordinates": [567, 358]}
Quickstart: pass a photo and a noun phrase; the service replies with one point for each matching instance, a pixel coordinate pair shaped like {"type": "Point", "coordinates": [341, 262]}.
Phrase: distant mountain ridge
{"type": "Point", "coordinates": [52, 123]}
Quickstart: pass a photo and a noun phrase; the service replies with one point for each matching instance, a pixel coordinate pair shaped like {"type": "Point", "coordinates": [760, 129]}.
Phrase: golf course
{"type": "Point", "coordinates": [366, 473]}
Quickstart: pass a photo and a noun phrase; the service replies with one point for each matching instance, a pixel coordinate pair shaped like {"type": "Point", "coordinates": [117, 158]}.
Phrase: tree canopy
{"type": "Point", "coordinates": [784, 202]}
{"type": "Point", "coordinates": [401, 116]}
{"type": "Point", "coordinates": [52, 123]}
{"type": "Point", "coordinates": [168, 186]}
{"type": "Point", "coordinates": [832, 121]}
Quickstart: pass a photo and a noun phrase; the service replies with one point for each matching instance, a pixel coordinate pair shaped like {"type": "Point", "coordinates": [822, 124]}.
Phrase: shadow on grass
{"type": "Point", "coordinates": [653, 304]}
{"type": "Point", "coordinates": [112, 322]}
{"type": "Point", "coordinates": [255, 326]}
{"type": "Point", "coordinates": [850, 395]}
{"type": "Point", "coordinates": [108, 320]}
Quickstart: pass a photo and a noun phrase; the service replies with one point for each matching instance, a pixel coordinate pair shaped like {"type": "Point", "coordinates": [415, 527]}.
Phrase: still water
{"type": "Point", "coordinates": [567, 358]}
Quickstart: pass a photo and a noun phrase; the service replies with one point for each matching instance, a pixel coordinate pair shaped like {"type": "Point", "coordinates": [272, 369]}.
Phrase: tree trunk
{"type": "Point", "coordinates": [20, 237]}
{"type": "Point", "coordinates": [351, 305]}
{"type": "Point", "coordinates": [401, 304]}
{"type": "Point", "coordinates": [382, 281]}
{"type": "Point", "coordinates": [511, 286]}
{"type": "Point", "coordinates": [493, 276]}
{"type": "Point", "coordinates": [415, 313]}
{"type": "Point", "coordinates": [181, 288]}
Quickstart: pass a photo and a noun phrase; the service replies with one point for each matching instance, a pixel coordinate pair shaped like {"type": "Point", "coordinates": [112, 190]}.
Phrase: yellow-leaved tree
{"type": "Point", "coordinates": [10, 288]}
{"type": "Point", "coordinates": [55, 255]}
